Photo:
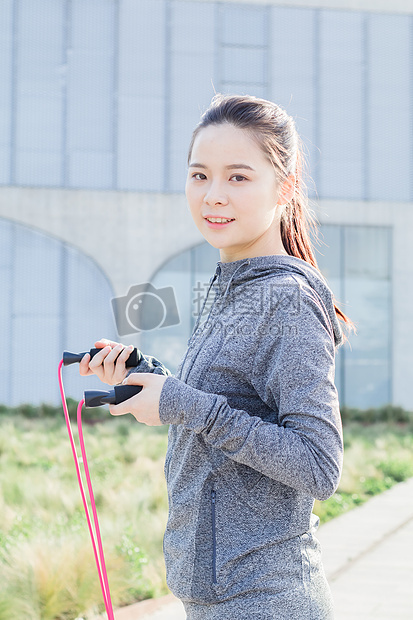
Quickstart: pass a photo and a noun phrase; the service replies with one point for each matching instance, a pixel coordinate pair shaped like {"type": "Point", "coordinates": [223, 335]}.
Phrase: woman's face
{"type": "Point", "coordinates": [232, 192]}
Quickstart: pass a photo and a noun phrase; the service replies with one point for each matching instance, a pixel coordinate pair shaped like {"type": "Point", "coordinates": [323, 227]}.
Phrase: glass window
{"type": "Point", "coordinates": [189, 274]}
{"type": "Point", "coordinates": [328, 249]}
{"type": "Point", "coordinates": [356, 261]}
{"type": "Point", "coordinates": [367, 288]}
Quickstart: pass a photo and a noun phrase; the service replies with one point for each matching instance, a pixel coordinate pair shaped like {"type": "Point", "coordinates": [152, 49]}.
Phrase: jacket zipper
{"type": "Point", "coordinates": [214, 538]}
{"type": "Point", "coordinates": [185, 376]}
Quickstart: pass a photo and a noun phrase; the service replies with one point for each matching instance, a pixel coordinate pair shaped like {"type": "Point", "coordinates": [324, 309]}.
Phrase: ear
{"type": "Point", "coordinates": [287, 190]}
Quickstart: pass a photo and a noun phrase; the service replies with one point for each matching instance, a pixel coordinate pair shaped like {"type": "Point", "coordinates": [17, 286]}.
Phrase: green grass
{"type": "Point", "coordinates": [376, 457]}
{"type": "Point", "coordinates": [47, 569]}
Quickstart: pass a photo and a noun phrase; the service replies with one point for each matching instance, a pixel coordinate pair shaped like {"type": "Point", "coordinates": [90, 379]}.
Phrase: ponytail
{"type": "Point", "coordinates": [297, 224]}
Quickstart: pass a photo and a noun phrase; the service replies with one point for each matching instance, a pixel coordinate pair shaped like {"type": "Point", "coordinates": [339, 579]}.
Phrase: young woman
{"type": "Point", "coordinates": [255, 432]}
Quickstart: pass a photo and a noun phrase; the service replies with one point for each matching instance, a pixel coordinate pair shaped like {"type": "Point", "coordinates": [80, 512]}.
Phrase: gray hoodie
{"type": "Point", "coordinates": [255, 429]}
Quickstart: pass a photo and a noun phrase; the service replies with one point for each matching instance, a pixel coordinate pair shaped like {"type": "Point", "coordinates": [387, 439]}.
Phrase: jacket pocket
{"type": "Point", "coordinates": [214, 537]}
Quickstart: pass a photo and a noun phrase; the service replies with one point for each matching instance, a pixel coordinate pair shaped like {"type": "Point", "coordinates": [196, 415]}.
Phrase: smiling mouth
{"type": "Point", "coordinates": [219, 220]}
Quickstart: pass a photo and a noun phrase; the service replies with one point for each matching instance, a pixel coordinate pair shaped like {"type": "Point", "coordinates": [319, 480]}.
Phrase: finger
{"type": "Point", "coordinates": [120, 369]}
{"type": "Point", "coordinates": [97, 360]}
{"type": "Point", "coordinates": [84, 365]}
{"type": "Point", "coordinates": [117, 410]}
{"type": "Point", "coordinates": [104, 342]}
{"type": "Point", "coordinates": [125, 353]}
{"type": "Point", "coordinates": [109, 366]}
{"type": "Point", "coordinates": [138, 378]}
{"type": "Point", "coordinates": [125, 407]}
{"type": "Point", "coordinates": [112, 357]}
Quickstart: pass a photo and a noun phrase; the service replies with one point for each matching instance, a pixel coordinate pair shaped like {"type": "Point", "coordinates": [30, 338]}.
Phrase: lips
{"type": "Point", "coordinates": [217, 222]}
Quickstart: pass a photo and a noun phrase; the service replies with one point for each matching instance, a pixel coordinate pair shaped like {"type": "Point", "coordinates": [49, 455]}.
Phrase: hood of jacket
{"type": "Point", "coordinates": [244, 270]}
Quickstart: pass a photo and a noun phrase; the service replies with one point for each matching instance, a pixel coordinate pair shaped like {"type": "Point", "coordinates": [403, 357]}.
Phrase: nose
{"type": "Point", "coordinates": [215, 195]}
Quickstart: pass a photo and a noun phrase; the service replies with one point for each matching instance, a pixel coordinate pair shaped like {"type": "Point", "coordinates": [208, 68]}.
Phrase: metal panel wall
{"type": "Point", "coordinates": [104, 94]}
{"type": "Point", "coordinates": [39, 94]}
{"type": "Point", "coordinates": [141, 95]}
{"type": "Point", "coordinates": [292, 71]}
{"type": "Point", "coordinates": [243, 65]}
{"type": "Point", "coordinates": [90, 94]}
{"type": "Point", "coordinates": [243, 25]}
{"type": "Point", "coordinates": [191, 67]}
{"type": "Point", "coordinates": [6, 90]}
{"type": "Point", "coordinates": [242, 48]}
{"type": "Point", "coordinates": [340, 105]}
{"type": "Point", "coordinates": [389, 119]}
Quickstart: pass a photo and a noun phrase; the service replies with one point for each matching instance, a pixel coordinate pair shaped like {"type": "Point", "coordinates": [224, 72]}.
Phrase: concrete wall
{"type": "Point", "coordinates": [373, 6]}
{"type": "Point", "coordinates": [130, 235]}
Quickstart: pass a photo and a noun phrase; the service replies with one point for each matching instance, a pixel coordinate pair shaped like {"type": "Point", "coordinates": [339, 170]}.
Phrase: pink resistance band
{"type": "Point", "coordinates": [95, 536]}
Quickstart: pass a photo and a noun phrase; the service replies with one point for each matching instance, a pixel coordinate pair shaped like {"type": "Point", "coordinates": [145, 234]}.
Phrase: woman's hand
{"type": "Point", "coordinates": [103, 363]}
{"type": "Point", "coordinates": [145, 405]}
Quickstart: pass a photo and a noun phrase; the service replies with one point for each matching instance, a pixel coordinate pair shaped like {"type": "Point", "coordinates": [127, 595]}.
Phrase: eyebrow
{"type": "Point", "coordinates": [230, 167]}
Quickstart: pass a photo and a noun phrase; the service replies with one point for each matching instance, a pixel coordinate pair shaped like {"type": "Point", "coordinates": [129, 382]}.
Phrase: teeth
{"type": "Point", "coordinates": [219, 220]}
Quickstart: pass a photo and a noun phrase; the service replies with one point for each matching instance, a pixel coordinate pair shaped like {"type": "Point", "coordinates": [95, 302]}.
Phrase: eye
{"type": "Point", "coordinates": [238, 177]}
{"type": "Point", "coordinates": [199, 176]}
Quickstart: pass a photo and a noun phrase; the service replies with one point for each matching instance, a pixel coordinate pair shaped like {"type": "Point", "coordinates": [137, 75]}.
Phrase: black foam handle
{"type": "Point", "coordinates": [97, 398]}
{"type": "Point", "coordinates": [123, 392]}
{"type": "Point", "coordinates": [73, 358]}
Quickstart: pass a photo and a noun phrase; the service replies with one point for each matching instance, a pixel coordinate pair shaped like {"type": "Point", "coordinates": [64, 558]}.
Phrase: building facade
{"type": "Point", "coordinates": [97, 108]}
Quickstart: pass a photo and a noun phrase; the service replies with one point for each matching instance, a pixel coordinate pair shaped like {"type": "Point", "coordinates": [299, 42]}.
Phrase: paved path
{"type": "Point", "coordinates": [368, 558]}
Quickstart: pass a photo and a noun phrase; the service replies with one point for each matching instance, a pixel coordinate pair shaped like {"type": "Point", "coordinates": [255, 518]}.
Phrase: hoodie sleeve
{"type": "Point", "coordinates": [148, 363]}
{"type": "Point", "coordinates": [295, 376]}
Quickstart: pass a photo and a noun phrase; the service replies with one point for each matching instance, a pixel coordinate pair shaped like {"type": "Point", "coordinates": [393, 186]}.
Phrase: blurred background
{"type": "Point", "coordinates": [98, 101]}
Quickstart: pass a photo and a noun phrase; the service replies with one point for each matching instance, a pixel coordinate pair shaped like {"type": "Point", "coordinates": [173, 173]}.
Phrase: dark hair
{"type": "Point", "coordinates": [275, 133]}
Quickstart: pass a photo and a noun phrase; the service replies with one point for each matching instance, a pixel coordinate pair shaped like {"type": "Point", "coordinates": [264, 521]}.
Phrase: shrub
{"type": "Point", "coordinates": [397, 469]}
{"type": "Point", "coordinates": [45, 410]}
{"type": "Point", "coordinates": [386, 413]}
